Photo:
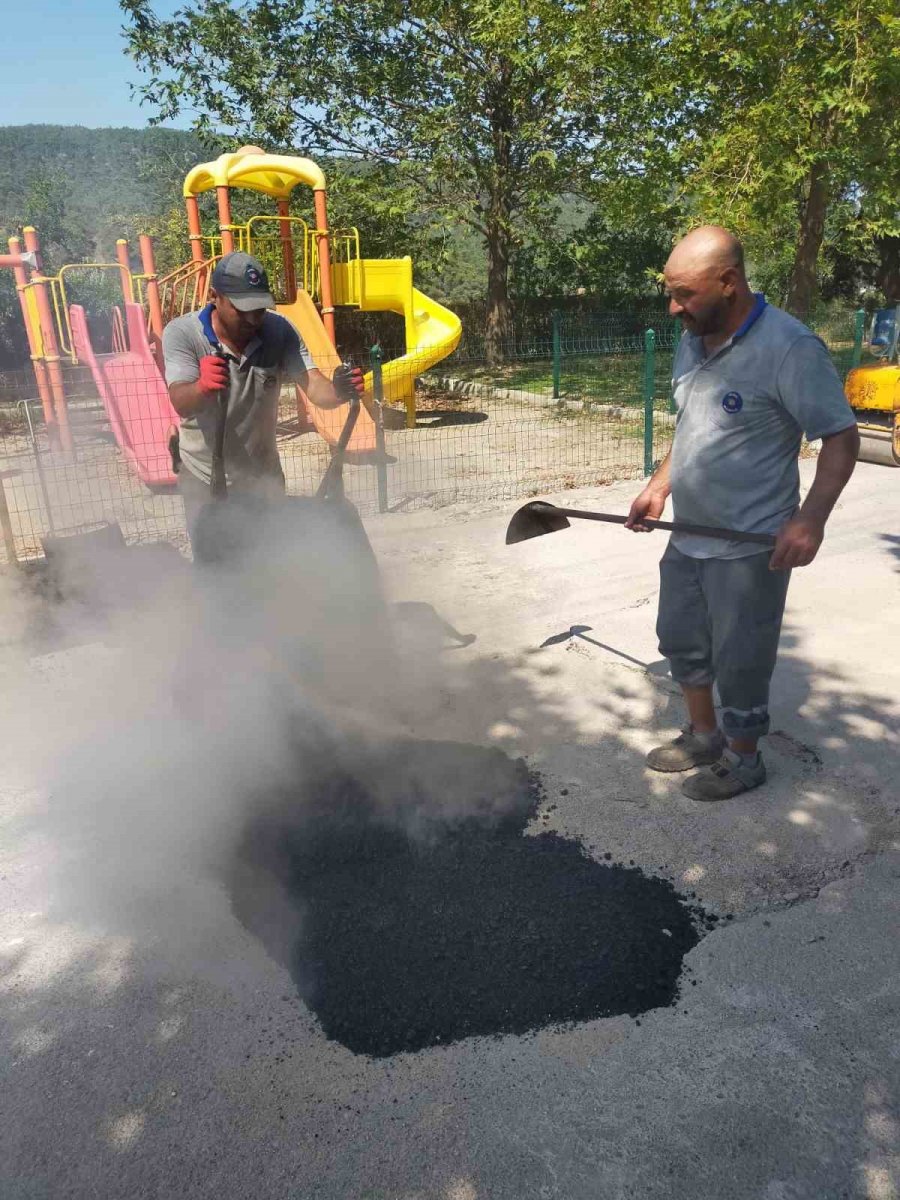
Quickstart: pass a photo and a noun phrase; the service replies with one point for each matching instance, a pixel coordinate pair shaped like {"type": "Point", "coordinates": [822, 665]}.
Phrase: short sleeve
{"type": "Point", "coordinates": [180, 359]}
{"type": "Point", "coordinates": [810, 389]}
{"type": "Point", "coordinates": [296, 360]}
{"type": "Point", "coordinates": [680, 360]}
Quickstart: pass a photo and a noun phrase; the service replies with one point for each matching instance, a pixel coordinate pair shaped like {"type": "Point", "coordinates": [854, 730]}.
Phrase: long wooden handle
{"type": "Point", "coordinates": [218, 485]}
{"type": "Point", "coordinates": [728, 535]}
{"type": "Point", "coordinates": [336, 464]}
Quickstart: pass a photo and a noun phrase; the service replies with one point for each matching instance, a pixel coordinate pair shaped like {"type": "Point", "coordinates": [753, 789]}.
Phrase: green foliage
{"type": "Point", "coordinates": [515, 148]}
{"type": "Point", "coordinates": [607, 259]}
{"type": "Point", "coordinates": [77, 185]}
{"type": "Point", "coordinates": [795, 124]}
{"type": "Point", "coordinates": [489, 107]}
{"type": "Point", "coordinates": [82, 189]}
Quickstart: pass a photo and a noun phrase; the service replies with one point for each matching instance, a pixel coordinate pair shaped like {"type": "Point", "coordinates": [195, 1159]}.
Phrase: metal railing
{"type": "Point", "coordinates": [61, 299]}
{"type": "Point", "coordinates": [185, 289]}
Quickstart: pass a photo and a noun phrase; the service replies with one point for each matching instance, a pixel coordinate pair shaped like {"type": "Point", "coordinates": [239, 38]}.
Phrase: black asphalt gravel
{"type": "Point", "coordinates": [414, 907]}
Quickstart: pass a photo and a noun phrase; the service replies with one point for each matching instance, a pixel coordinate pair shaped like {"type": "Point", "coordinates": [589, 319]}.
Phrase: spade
{"type": "Point", "coordinates": [539, 517]}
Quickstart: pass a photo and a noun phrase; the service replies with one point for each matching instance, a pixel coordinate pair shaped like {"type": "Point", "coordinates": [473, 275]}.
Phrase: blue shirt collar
{"type": "Point", "coordinates": [205, 317]}
{"type": "Point", "coordinates": [755, 313]}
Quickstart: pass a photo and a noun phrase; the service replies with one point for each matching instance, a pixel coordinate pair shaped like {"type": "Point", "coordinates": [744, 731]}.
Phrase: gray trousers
{"type": "Point", "coordinates": [719, 622]}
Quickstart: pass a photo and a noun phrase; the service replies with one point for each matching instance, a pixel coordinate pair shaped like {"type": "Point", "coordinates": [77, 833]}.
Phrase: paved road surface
{"type": "Point", "coordinates": [149, 1047]}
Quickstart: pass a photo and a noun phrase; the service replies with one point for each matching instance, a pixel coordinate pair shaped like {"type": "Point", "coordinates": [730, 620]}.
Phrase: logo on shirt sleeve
{"type": "Point", "coordinates": [732, 402]}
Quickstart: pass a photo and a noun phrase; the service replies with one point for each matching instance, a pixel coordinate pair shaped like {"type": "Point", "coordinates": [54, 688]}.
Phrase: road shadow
{"type": "Point", "coordinates": [423, 622]}
{"type": "Point", "coordinates": [445, 417]}
{"type": "Point", "coordinates": [892, 544]}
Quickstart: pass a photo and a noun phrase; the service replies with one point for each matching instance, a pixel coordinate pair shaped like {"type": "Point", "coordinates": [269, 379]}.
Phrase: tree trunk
{"type": "Point", "coordinates": [887, 275]}
{"type": "Point", "coordinates": [804, 277]}
{"type": "Point", "coordinates": [498, 230]}
{"type": "Point", "coordinates": [498, 326]}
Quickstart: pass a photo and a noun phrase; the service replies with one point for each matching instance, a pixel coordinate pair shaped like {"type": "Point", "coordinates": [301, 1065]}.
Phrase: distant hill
{"type": "Point", "coordinates": [83, 179]}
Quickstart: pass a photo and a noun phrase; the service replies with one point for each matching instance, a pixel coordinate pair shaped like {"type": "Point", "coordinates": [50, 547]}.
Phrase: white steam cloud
{"type": "Point", "coordinates": [149, 706]}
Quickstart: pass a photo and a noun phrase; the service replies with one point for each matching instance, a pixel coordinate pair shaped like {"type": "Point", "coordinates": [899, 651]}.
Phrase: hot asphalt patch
{"type": "Point", "coordinates": [413, 910]}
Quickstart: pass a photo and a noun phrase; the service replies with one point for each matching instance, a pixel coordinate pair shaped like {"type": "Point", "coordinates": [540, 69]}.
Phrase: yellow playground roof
{"type": "Point", "coordinates": [274, 174]}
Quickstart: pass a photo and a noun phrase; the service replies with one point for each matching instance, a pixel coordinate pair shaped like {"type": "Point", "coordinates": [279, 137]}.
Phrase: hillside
{"type": "Point", "coordinates": [74, 182]}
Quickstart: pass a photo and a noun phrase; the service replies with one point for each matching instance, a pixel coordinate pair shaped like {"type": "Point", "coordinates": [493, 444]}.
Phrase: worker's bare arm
{"type": "Point", "coordinates": [189, 398]}
{"type": "Point", "coordinates": [651, 502]}
{"type": "Point", "coordinates": [320, 391]}
{"type": "Point", "coordinates": [326, 393]}
{"type": "Point", "coordinates": [799, 540]}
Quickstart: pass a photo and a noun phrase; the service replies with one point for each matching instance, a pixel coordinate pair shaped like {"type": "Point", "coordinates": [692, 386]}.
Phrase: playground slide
{"type": "Point", "coordinates": [134, 395]}
{"type": "Point", "coordinates": [137, 402]}
{"type": "Point", "coordinates": [329, 422]}
{"type": "Point", "coordinates": [432, 331]}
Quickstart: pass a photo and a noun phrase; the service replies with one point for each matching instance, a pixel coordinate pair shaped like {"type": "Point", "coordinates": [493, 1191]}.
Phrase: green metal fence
{"type": "Point", "coordinates": [581, 403]}
{"type": "Point", "coordinates": [585, 400]}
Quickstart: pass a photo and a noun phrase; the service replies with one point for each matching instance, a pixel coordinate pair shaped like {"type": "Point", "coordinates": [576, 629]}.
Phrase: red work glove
{"type": "Point", "coordinates": [214, 374]}
{"type": "Point", "coordinates": [347, 382]}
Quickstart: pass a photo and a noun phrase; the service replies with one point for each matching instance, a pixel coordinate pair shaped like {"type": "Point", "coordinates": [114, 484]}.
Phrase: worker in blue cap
{"type": "Point", "coordinates": [238, 349]}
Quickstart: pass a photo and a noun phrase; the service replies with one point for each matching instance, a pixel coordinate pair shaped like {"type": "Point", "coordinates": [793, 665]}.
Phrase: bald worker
{"type": "Point", "coordinates": [749, 381]}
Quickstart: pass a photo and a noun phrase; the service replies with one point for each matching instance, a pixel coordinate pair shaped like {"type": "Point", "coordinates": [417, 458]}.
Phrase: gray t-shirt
{"type": "Point", "coordinates": [742, 412]}
{"type": "Point", "coordinates": [278, 352]}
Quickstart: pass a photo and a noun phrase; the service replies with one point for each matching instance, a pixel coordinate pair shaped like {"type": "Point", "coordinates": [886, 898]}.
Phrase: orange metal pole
{"type": "Point", "coordinates": [224, 202]}
{"type": "Point", "coordinates": [195, 230]}
{"type": "Point", "coordinates": [34, 346]}
{"type": "Point", "coordinates": [51, 343]}
{"type": "Point", "coordinates": [11, 261]}
{"type": "Point", "coordinates": [154, 304]}
{"type": "Point", "coordinates": [125, 263]}
{"type": "Point", "coordinates": [287, 251]}
{"type": "Point", "coordinates": [326, 297]}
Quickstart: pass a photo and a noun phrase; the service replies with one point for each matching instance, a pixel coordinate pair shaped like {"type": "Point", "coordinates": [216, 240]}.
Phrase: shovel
{"type": "Point", "coordinates": [218, 484]}
{"type": "Point", "coordinates": [332, 485]}
{"type": "Point", "coordinates": [539, 517]}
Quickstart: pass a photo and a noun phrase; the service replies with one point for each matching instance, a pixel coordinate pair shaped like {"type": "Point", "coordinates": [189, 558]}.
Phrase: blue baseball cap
{"type": "Point", "coordinates": [242, 278]}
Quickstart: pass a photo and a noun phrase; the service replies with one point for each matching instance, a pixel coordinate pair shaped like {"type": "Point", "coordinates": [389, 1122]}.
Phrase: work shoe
{"type": "Point", "coordinates": [688, 750]}
{"type": "Point", "coordinates": [728, 777]}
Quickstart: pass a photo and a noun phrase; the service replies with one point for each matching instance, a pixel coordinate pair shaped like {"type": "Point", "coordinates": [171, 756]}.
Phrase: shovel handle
{"type": "Point", "coordinates": [218, 485]}
{"type": "Point", "coordinates": [728, 535]}
{"type": "Point", "coordinates": [336, 465]}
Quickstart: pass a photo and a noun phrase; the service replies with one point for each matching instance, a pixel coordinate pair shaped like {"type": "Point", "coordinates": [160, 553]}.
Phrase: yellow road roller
{"type": "Point", "coordinates": [874, 392]}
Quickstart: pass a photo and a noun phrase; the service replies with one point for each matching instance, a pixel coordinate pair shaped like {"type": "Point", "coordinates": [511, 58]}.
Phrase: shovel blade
{"type": "Point", "coordinates": [534, 520]}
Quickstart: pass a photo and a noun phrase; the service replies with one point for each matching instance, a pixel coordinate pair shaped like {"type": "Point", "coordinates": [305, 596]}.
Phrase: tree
{"type": "Point", "coordinates": [63, 239]}
{"type": "Point", "coordinates": [796, 123]}
{"type": "Point", "coordinates": [887, 274]}
{"type": "Point", "coordinates": [489, 106]}
{"type": "Point", "coordinates": [610, 262]}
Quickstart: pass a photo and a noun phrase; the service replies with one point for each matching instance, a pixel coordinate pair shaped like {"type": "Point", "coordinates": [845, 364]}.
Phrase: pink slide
{"type": "Point", "coordinates": [134, 395]}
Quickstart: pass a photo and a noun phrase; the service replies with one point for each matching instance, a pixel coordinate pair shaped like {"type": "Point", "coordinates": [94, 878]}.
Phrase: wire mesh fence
{"type": "Point", "coordinates": [48, 492]}
{"type": "Point", "coordinates": [580, 403]}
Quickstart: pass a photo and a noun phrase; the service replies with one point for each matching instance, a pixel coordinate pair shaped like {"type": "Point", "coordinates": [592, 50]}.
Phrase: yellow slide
{"type": "Point", "coordinates": [432, 331]}
{"type": "Point", "coordinates": [329, 422]}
